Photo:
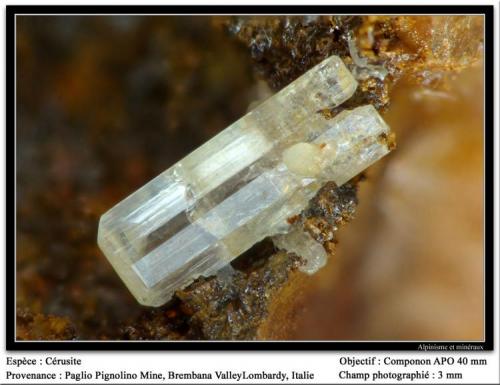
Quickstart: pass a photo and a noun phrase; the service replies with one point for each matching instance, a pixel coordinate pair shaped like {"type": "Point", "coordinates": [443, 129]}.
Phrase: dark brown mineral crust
{"type": "Point", "coordinates": [31, 326]}
{"type": "Point", "coordinates": [108, 114]}
{"type": "Point", "coordinates": [331, 208]}
{"type": "Point", "coordinates": [215, 308]}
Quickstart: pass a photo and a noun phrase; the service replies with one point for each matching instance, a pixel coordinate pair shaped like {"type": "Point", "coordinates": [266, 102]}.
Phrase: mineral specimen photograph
{"type": "Point", "coordinates": [260, 177]}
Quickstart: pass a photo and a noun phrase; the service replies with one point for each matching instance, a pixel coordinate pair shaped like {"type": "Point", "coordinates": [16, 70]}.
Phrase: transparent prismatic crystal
{"type": "Point", "coordinates": [240, 186]}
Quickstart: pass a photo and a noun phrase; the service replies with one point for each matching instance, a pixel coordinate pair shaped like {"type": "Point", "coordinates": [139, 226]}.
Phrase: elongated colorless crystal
{"type": "Point", "coordinates": [241, 186]}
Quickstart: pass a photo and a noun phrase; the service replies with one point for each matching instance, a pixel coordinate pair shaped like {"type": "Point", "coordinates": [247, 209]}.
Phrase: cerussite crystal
{"type": "Point", "coordinates": [241, 186]}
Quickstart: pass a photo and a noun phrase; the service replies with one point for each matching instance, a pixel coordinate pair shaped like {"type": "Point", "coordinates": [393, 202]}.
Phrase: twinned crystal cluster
{"type": "Point", "coordinates": [242, 186]}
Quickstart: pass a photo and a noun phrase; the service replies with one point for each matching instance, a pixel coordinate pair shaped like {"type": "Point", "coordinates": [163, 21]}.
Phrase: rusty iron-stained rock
{"type": "Point", "coordinates": [30, 326]}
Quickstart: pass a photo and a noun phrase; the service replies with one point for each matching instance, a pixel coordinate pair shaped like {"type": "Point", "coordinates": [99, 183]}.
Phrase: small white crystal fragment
{"type": "Point", "coordinates": [233, 191]}
{"type": "Point", "coordinates": [362, 68]}
{"type": "Point", "coordinates": [303, 159]}
{"type": "Point", "coordinates": [301, 243]}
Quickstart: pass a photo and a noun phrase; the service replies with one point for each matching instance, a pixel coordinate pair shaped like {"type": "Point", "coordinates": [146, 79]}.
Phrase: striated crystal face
{"type": "Point", "coordinates": [240, 186]}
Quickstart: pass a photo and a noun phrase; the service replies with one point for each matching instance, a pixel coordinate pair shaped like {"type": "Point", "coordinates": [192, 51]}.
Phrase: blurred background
{"type": "Point", "coordinates": [104, 104]}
